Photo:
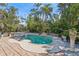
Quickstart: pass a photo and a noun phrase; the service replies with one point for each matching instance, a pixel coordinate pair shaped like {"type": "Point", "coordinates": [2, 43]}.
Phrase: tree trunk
{"type": "Point", "coordinates": [72, 34]}
{"type": "Point", "coordinates": [72, 44]}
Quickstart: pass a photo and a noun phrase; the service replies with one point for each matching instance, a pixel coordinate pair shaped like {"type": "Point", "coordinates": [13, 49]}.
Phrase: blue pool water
{"type": "Point", "coordinates": [37, 39]}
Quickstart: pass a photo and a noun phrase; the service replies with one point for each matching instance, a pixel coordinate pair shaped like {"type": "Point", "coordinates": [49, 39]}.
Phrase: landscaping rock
{"type": "Point", "coordinates": [71, 53]}
{"type": "Point", "coordinates": [54, 50]}
{"type": "Point", "coordinates": [59, 54]}
{"type": "Point", "coordinates": [44, 34]}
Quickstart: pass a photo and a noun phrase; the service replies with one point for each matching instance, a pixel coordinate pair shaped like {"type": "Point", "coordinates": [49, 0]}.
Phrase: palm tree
{"type": "Point", "coordinates": [8, 19]}
{"type": "Point", "coordinates": [41, 13]}
{"type": "Point", "coordinates": [2, 15]}
{"type": "Point", "coordinates": [46, 11]}
{"type": "Point", "coordinates": [69, 15]}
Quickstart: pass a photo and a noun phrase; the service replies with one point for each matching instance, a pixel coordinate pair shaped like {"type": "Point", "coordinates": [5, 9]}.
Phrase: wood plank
{"type": "Point", "coordinates": [6, 49]}
{"type": "Point", "coordinates": [2, 53]}
{"type": "Point", "coordinates": [22, 51]}
{"type": "Point", "coordinates": [13, 49]}
{"type": "Point", "coordinates": [17, 49]}
{"type": "Point", "coordinates": [31, 53]}
{"type": "Point", "coordinates": [14, 53]}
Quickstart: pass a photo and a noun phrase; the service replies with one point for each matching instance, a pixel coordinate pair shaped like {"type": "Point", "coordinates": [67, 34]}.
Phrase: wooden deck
{"type": "Point", "coordinates": [13, 49]}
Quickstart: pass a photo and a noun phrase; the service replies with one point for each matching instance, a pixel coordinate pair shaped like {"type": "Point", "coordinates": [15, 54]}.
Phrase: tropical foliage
{"type": "Point", "coordinates": [8, 19]}
{"type": "Point", "coordinates": [41, 19]}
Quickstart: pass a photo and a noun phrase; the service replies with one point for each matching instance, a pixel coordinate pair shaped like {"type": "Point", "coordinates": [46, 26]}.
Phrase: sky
{"type": "Point", "coordinates": [24, 8]}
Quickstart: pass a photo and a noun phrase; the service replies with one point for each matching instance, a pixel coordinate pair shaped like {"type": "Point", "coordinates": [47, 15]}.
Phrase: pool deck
{"type": "Point", "coordinates": [13, 49]}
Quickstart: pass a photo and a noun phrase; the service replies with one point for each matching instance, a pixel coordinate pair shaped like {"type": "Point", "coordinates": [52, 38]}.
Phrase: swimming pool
{"type": "Point", "coordinates": [37, 39]}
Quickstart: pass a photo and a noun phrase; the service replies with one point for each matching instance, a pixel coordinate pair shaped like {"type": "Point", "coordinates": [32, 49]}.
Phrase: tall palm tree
{"type": "Point", "coordinates": [43, 11]}
{"type": "Point", "coordinates": [40, 14]}
{"type": "Point", "coordinates": [46, 11]}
